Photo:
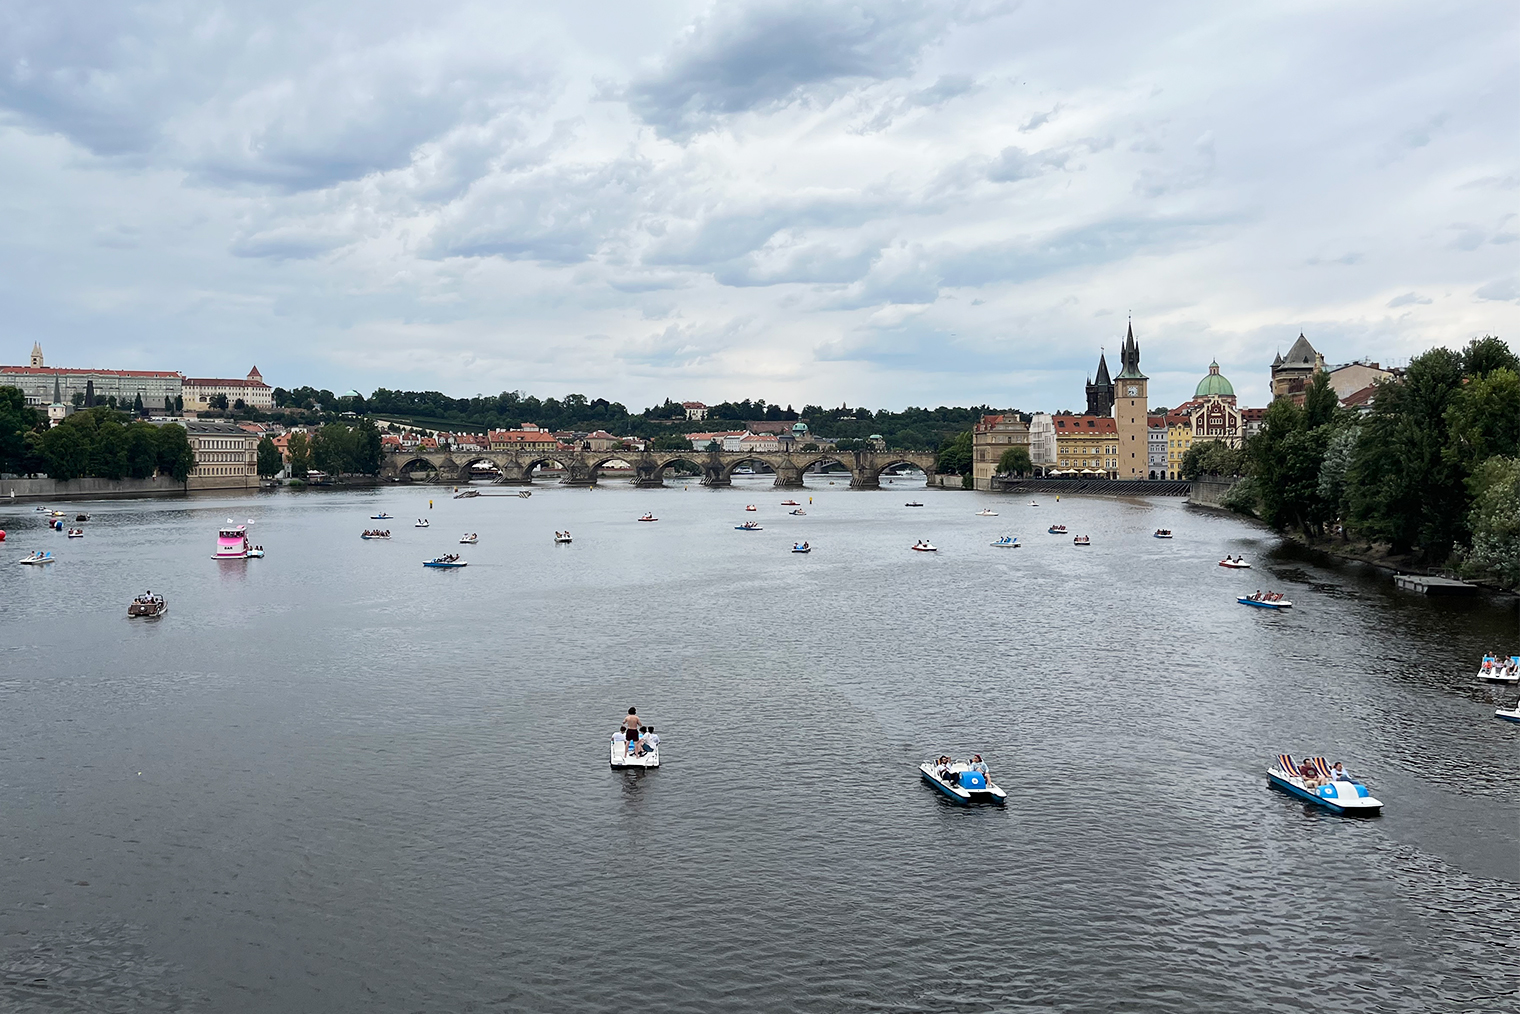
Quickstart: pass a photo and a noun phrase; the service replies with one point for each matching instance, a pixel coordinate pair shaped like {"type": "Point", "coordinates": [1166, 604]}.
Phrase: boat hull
{"type": "Point", "coordinates": [1352, 805]}
{"type": "Point", "coordinates": [619, 762]}
{"type": "Point", "coordinates": [1264, 605]}
{"type": "Point", "coordinates": [446, 566]}
{"type": "Point", "coordinates": [1508, 716]}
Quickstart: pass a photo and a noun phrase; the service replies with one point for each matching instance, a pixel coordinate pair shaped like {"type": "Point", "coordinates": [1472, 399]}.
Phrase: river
{"type": "Point", "coordinates": [333, 780]}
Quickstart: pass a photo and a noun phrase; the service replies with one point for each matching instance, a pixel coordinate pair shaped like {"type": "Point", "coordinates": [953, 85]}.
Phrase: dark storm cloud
{"type": "Point", "coordinates": [743, 57]}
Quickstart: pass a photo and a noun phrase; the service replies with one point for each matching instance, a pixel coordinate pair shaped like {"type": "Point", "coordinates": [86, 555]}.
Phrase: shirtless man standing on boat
{"type": "Point", "coordinates": [630, 727]}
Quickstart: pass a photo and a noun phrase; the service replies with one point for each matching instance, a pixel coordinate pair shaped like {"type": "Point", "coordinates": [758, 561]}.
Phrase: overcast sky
{"type": "Point", "coordinates": [884, 202]}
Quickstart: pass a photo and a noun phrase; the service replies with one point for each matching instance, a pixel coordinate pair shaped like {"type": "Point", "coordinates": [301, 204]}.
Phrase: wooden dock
{"type": "Point", "coordinates": [1426, 585]}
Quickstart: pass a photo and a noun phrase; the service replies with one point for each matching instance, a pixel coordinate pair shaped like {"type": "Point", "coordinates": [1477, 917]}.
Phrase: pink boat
{"type": "Point", "coordinates": [232, 544]}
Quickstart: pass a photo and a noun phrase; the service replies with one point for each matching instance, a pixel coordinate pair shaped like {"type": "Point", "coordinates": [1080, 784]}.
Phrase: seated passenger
{"type": "Point", "coordinates": [1339, 774]}
{"type": "Point", "coordinates": [976, 764]}
{"type": "Point", "coordinates": [647, 742]}
{"type": "Point", "coordinates": [1308, 774]}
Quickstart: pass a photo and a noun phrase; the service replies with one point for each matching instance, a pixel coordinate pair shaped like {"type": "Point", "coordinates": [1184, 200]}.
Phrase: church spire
{"type": "Point", "coordinates": [1129, 357]}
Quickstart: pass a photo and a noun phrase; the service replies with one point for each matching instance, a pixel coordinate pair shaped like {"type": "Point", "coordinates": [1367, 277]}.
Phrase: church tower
{"type": "Point", "coordinates": [1130, 412]}
{"type": "Point", "coordinates": [36, 355]}
{"type": "Point", "coordinates": [1100, 394]}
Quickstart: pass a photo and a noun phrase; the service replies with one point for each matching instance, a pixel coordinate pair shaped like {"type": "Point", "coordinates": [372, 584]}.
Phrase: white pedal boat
{"type": "Point", "coordinates": [624, 758]}
{"type": "Point", "coordinates": [964, 785]}
{"type": "Point", "coordinates": [469, 540]}
{"type": "Point", "coordinates": [421, 523]}
{"type": "Point", "coordinates": [1509, 714]}
{"type": "Point", "coordinates": [986, 513]}
{"type": "Point", "coordinates": [1349, 798]}
{"type": "Point", "coordinates": [1234, 564]}
{"type": "Point", "coordinates": [1496, 669]}
{"type": "Point", "coordinates": [923, 547]}
{"type": "Point", "coordinates": [1006, 542]}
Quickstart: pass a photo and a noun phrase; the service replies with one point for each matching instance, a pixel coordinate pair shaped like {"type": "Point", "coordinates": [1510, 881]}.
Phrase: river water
{"type": "Point", "coordinates": [333, 780]}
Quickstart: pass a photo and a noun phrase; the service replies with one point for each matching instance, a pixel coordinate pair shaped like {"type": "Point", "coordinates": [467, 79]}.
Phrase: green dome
{"type": "Point", "coordinates": [1214, 385]}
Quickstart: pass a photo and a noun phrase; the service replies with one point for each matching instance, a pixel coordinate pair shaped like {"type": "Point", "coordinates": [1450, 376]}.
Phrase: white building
{"type": "Point", "coordinates": [250, 391]}
{"type": "Point", "coordinates": [1042, 440]}
{"type": "Point", "coordinates": [37, 382]}
{"type": "Point", "coordinates": [695, 410]}
{"type": "Point", "coordinates": [226, 457]}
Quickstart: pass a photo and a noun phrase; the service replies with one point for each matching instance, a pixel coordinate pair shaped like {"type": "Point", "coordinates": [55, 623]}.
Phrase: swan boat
{"type": "Point", "coordinates": [1006, 542]}
{"type": "Point", "coordinates": [986, 513]}
{"type": "Point", "coordinates": [1234, 564]}
{"type": "Point", "coordinates": [1033, 504]}
{"type": "Point", "coordinates": [623, 754]}
{"type": "Point", "coordinates": [962, 783]}
{"type": "Point", "coordinates": [1247, 600]}
{"type": "Point", "coordinates": [45, 556]}
{"type": "Point", "coordinates": [798, 513]}
{"type": "Point", "coordinates": [1344, 797]}
{"type": "Point", "coordinates": [1499, 670]}
{"type": "Point", "coordinates": [444, 562]}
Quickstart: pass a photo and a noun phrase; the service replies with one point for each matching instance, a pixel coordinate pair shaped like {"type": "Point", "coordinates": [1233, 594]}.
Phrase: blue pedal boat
{"type": "Point", "coordinates": [1348, 798]}
{"type": "Point", "coordinates": [1247, 600]}
{"type": "Point", "coordinates": [961, 784]}
{"type": "Point", "coordinates": [444, 563]}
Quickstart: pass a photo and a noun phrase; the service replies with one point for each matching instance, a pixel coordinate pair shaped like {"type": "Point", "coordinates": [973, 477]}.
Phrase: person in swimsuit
{"type": "Point", "coordinates": [630, 729]}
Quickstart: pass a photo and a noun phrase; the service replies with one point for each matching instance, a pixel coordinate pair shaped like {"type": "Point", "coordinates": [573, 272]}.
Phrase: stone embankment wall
{"type": "Point", "coordinates": [87, 489]}
{"type": "Point", "coordinates": [1093, 487]}
{"type": "Point", "coordinates": [1210, 491]}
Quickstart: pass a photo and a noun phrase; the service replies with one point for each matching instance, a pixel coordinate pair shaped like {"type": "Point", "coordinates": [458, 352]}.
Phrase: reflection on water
{"type": "Point", "coordinates": [332, 779]}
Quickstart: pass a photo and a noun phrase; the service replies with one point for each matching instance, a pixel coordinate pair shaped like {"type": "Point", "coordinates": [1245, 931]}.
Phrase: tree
{"type": "Point", "coordinates": [954, 456]}
{"type": "Point", "coordinates": [137, 404]}
{"type": "Point", "coordinates": [78, 399]}
{"type": "Point", "coordinates": [1484, 418]}
{"type": "Point", "coordinates": [1495, 519]}
{"type": "Point", "coordinates": [270, 460]}
{"type": "Point", "coordinates": [141, 450]}
{"type": "Point", "coordinates": [368, 454]}
{"type": "Point", "coordinates": [332, 449]}
{"type": "Point", "coordinates": [1484, 355]}
{"type": "Point", "coordinates": [1212, 457]}
{"type": "Point", "coordinates": [237, 406]}
{"type": "Point", "coordinates": [298, 447]}
{"type": "Point", "coordinates": [17, 419]}
{"type": "Point", "coordinates": [66, 452]}
{"type": "Point", "coordinates": [218, 402]}
{"type": "Point", "coordinates": [1015, 460]}
{"type": "Point", "coordinates": [168, 405]}
{"type": "Point", "coordinates": [669, 442]}
{"type": "Point", "coordinates": [175, 455]}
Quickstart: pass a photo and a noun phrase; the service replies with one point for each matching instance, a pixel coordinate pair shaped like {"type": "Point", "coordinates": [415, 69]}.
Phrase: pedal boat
{"type": "Point", "coordinates": [751, 507]}
{"type": "Point", "coordinates": [382, 516]}
{"type": "Point", "coordinates": [924, 547]}
{"type": "Point", "coordinates": [1499, 670]}
{"type": "Point", "coordinates": [632, 760]}
{"type": "Point", "coordinates": [912, 503]}
{"type": "Point", "coordinates": [965, 787]}
{"type": "Point", "coordinates": [800, 548]}
{"type": "Point", "coordinates": [469, 540]}
{"type": "Point", "coordinates": [1006, 542]}
{"type": "Point", "coordinates": [374, 536]}
{"type": "Point", "coordinates": [148, 608]}
{"type": "Point", "coordinates": [1057, 529]}
{"type": "Point", "coordinates": [1081, 540]}
{"type": "Point", "coordinates": [748, 526]}
{"type": "Point", "coordinates": [255, 554]}
{"type": "Point", "coordinates": [422, 523]}
{"type": "Point", "coordinates": [441, 563]}
{"type": "Point", "coordinates": [561, 540]}
{"type": "Point", "coordinates": [789, 503]}
{"type": "Point", "coordinates": [649, 517]}
{"type": "Point", "coordinates": [1235, 564]}
{"type": "Point", "coordinates": [1246, 600]}
{"type": "Point", "coordinates": [1509, 714]}
{"type": "Point", "coordinates": [1162, 533]}
{"type": "Point", "coordinates": [36, 558]}
{"type": "Point", "coordinates": [1350, 799]}
{"type": "Point", "coordinates": [798, 513]}
{"type": "Point", "coordinates": [986, 513]}
{"type": "Point", "coordinates": [76, 533]}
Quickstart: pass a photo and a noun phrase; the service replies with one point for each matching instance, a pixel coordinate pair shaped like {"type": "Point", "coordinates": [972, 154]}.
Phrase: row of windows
{"type": "Point", "coordinates": [221, 470]}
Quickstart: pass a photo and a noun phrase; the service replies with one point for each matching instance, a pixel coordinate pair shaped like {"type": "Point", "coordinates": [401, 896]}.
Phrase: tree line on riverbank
{"type": "Point", "coordinates": [1432, 470]}
{"type": "Point", "coordinates": [100, 442]}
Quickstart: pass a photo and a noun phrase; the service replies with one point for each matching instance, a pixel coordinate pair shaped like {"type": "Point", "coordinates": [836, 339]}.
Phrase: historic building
{"type": "Point", "coordinates": [1292, 374]}
{"type": "Point", "coordinates": [1179, 437]}
{"type": "Point", "coordinates": [1155, 445]}
{"type": "Point", "coordinates": [251, 391]}
{"type": "Point", "coordinates": [990, 438]}
{"type": "Point", "coordinates": [226, 457]}
{"type": "Point", "coordinates": [1130, 413]}
{"type": "Point", "coordinates": [38, 382]}
{"type": "Point", "coordinates": [527, 438]}
{"type": "Point", "coordinates": [1100, 393]}
{"type": "Point", "coordinates": [1086, 443]}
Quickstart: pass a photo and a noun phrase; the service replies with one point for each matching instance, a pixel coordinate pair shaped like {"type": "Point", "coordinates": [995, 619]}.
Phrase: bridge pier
{"type": "Point", "coordinates": [714, 474]}
{"type": "Point", "coordinates": [646, 475]}
{"type": "Point", "coordinates": [788, 477]}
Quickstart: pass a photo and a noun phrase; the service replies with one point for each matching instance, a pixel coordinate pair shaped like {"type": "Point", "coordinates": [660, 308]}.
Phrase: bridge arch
{"type": "Point", "coordinates": [665, 461]}
{"type": "Point", "coordinates": [769, 467]}
{"type": "Point", "coordinates": [419, 463]}
{"type": "Point", "coordinates": [467, 465]}
{"type": "Point", "coordinates": [565, 461]}
{"type": "Point", "coordinates": [874, 470]}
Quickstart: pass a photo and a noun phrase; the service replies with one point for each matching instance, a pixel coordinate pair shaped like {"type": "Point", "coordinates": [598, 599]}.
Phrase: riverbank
{"type": "Point", "coordinates": [1380, 557]}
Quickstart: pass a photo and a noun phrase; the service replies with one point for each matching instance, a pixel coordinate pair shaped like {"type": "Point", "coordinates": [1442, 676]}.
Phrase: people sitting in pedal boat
{"type": "Point", "coordinates": [630, 729]}
{"type": "Point", "coordinates": [976, 763]}
{"type": "Point", "coordinates": [647, 742]}
{"type": "Point", "coordinates": [1340, 774]}
{"type": "Point", "coordinates": [1308, 774]}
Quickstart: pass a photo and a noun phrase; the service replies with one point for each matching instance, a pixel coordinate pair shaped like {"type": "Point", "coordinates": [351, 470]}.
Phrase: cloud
{"type": "Point", "coordinates": [742, 57]}
{"type": "Point", "coordinates": [1408, 299]}
{"type": "Point", "coordinates": [1501, 289]}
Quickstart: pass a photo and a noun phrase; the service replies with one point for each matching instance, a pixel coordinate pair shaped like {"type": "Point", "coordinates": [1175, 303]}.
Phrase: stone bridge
{"type": "Point", "coordinates": [582, 467]}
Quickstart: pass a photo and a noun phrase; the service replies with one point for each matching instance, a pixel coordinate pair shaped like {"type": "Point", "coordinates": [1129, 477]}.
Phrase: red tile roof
{"type": "Point", "coordinates": [1095, 424]}
{"type": "Point", "coordinates": [50, 370]}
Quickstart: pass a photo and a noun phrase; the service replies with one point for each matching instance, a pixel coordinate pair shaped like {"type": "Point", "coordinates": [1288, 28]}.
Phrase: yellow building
{"type": "Point", "coordinates": [1179, 437]}
{"type": "Point", "coordinates": [1086, 443]}
{"type": "Point", "coordinates": [990, 439]}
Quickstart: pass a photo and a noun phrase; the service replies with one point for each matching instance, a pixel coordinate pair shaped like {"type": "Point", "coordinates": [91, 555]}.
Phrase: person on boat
{"type": "Point", "coordinates": [647, 742]}
{"type": "Point", "coordinates": [630, 729]}
{"type": "Point", "coordinates": [1308, 774]}
{"type": "Point", "coordinates": [976, 764]}
{"type": "Point", "coordinates": [1339, 773]}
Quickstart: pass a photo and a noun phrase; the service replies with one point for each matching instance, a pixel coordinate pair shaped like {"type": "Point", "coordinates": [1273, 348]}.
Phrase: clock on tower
{"type": "Point", "coordinates": [1130, 413]}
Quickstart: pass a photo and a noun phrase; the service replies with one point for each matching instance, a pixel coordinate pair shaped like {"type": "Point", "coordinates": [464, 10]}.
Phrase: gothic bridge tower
{"type": "Point", "coordinates": [1129, 411]}
{"type": "Point", "coordinates": [1100, 394]}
